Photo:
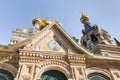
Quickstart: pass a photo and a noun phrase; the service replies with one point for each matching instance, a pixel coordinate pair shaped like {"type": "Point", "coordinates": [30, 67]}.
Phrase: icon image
{"type": "Point", "coordinates": [54, 45]}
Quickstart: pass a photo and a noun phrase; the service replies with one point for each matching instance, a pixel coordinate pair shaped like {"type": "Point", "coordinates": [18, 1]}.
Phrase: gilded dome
{"type": "Point", "coordinates": [84, 18]}
{"type": "Point", "coordinates": [36, 20]}
{"type": "Point", "coordinates": [44, 23]}
{"type": "Point", "coordinates": [48, 21]}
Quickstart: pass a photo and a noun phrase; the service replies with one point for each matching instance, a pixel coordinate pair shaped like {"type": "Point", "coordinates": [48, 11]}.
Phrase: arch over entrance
{"type": "Point", "coordinates": [5, 75]}
{"type": "Point", "coordinates": [53, 75]}
{"type": "Point", "coordinates": [97, 76]}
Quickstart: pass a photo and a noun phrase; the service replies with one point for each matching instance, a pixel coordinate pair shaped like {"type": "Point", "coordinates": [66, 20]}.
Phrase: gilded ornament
{"type": "Point", "coordinates": [84, 18]}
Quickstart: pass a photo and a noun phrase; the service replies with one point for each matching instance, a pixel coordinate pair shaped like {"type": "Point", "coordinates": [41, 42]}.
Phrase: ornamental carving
{"type": "Point", "coordinates": [54, 62]}
{"type": "Point", "coordinates": [36, 44]}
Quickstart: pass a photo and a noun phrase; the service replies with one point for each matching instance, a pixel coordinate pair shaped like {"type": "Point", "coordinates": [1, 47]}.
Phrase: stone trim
{"type": "Point", "coordinates": [53, 65]}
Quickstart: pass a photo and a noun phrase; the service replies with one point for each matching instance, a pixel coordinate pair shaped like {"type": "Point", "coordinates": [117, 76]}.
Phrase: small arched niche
{"type": "Point", "coordinates": [93, 38]}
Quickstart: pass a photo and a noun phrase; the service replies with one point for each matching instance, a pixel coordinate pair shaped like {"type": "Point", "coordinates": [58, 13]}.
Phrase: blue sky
{"type": "Point", "coordinates": [20, 13]}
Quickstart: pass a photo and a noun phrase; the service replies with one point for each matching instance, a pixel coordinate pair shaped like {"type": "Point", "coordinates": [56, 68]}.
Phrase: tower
{"type": "Point", "coordinates": [97, 40]}
{"type": "Point", "coordinates": [92, 35]}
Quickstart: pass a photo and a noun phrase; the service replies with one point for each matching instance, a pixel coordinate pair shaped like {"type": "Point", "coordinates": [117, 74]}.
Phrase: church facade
{"type": "Point", "coordinates": [47, 52]}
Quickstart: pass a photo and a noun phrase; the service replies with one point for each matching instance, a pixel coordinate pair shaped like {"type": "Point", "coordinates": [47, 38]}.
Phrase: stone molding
{"type": "Point", "coordinates": [26, 55]}
{"type": "Point", "coordinates": [53, 65]}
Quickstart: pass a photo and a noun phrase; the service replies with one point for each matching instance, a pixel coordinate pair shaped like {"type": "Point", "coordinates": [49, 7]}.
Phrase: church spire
{"type": "Point", "coordinates": [92, 35]}
{"type": "Point", "coordinates": [87, 25]}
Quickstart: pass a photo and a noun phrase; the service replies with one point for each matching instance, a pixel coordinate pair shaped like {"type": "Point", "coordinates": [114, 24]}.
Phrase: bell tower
{"type": "Point", "coordinates": [92, 35]}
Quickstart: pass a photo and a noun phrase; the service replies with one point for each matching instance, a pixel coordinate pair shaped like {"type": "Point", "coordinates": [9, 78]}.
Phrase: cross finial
{"type": "Point", "coordinates": [81, 13]}
{"type": "Point", "coordinates": [57, 19]}
{"type": "Point", "coordinates": [38, 16]}
{"type": "Point", "coordinates": [46, 17]}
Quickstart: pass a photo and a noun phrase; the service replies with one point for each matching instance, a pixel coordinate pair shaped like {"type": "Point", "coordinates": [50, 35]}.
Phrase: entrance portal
{"type": "Point", "coordinates": [53, 75]}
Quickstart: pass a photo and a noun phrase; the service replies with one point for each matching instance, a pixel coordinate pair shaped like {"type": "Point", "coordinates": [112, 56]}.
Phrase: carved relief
{"type": "Point", "coordinates": [26, 72]}
{"type": "Point", "coordinates": [79, 73]}
{"type": "Point", "coordinates": [36, 44]}
{"type": "Point", "coordinates": [46, 42]}
{"type": "Point", "coordinates": [117, 74]}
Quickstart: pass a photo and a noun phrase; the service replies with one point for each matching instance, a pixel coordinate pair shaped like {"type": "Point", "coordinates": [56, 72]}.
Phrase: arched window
{"type": "Point", "coordinates": [5, 75]}
{"type": "Point", "coordinates": [94, 38]}
{"type": "Point", "coordinates": [97, 76]}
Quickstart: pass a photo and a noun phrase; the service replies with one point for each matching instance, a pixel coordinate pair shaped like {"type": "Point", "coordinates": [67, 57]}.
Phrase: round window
{"type": "Point", "coordinates": [54, 45]}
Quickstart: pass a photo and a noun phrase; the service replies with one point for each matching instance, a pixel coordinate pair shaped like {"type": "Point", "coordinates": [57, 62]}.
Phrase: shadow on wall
{"type": "Point", "coordinates": [117, 42]}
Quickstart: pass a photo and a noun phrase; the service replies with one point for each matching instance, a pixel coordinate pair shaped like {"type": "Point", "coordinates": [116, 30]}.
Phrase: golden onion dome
{"type": "Point", "coordinates": [84, 18]}
{"type": "Point", "coordinates": [36, 20]}
{"type": "Point", "coordinates": [48, 21]}
{"type": "Point", "coordinates": [44, 23]}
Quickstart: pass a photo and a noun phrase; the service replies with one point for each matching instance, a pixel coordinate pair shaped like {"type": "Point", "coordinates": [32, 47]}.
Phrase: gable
{"type": "Point", "coordinates": [45, 42]}
{"type": "Point", "coordinates": [51, 39]}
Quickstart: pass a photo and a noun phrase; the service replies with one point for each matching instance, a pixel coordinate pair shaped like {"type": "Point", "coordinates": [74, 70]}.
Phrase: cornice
{"type": "Point", "coordinates": [37, 56]}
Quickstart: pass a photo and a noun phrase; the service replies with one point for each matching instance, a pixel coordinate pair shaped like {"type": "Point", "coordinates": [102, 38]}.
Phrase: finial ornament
{"type": "Point", "coordinates": [38, 17]}
{"type": "Point", "coordinates": [81, 13]}
{"type": "Point", "coordinates": [47, 18]}
{"type": "Point", "coordinates": [57, 19]}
